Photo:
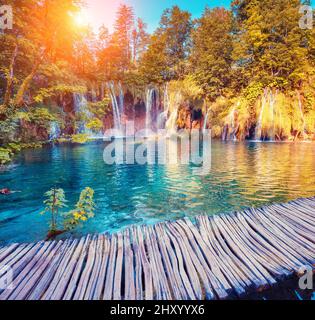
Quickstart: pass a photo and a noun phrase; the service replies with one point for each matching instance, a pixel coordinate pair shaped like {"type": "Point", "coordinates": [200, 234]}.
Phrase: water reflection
{"type": "Point", "coordinates": [242, 175]}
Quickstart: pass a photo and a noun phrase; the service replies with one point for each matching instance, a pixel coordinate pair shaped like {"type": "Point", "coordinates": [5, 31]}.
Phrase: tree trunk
{"type": "Point", "coordinates": [8, 91]}
{"type": "Point", "coordinates": [19, 98]}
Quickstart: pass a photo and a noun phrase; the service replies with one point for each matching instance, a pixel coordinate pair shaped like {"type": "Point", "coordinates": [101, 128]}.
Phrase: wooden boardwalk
{"type": "Point", "coordinates": [217, 257]}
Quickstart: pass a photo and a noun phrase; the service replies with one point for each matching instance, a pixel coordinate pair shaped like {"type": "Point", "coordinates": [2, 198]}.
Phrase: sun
{"type": "Point", "coordinates": [81, 19]}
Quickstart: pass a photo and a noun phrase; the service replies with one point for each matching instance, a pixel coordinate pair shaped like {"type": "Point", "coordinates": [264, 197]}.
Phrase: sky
{"type": "Point", "coordinates": [100, 12]}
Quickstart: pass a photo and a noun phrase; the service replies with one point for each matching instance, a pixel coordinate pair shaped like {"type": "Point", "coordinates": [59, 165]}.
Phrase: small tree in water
{"type": "Point", "coordinates": [55, 201]}
{"type": "Point", "coordinates": [84, 210]}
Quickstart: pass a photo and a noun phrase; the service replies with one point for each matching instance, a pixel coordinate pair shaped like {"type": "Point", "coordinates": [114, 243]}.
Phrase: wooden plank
{"type": "Point", "coordinates": [190, 260]}
{"type": "Point", "coordinates": [157, 282]}
{"type": "Point", "coordinates": [189, 286]}
{"type": "Point", "coordinates": [86, 271]}
{"type": "Point", "coordinates": [8, 251]}
{"type": "Point", "coordinates": [75, 273]}
{"type": "Point", "coordinates": [156, 256]}
{"type": "Point", "coordinates": [27, 272]}
{"type": "Point", "coordinates": [171, 266]}
{"type": "Point", "coordinates": [207, 260]}
{"type": "Point", "coordinates": [250, 274]}
{"type": "Point", "coordinates": [272, 238]}
{"type": "Point", "coordinates": [109, 282]}
{"type": "Point", "coordinates": [277, 255]}
{"type": "Point", "coordinates": [117, 294]}
{"type": "Point", "coordinates": [243, 252]}
{"type": "Point", "coordinates": [261, 254]}
{"type": "Point", "coordinates": [228, 263]}
{"type": "Point", "coordinates": [146, 267]}
{"type": "Point", "coordinates": [130, 286]}
{"type": "Point", "coordinates": [99, 287]}
{"type": "Point", "coordinates": [300, 210]}
{"type": "Point", "coordinates": [15, 255]}
{"type": "Point", "coordinates": [35, 273]}
{"type": "Point", "coordinates": [296, 219]}
{"type": "Point", "coordinates": [293, 228]}
{"type": "Point", "coordinates": [57, 286]}
{"type": "Point", "coordinates": [138, 266]}
{"type": "Point", "coordinates": [49, 272]}
{"type": "Point", "coordinates": [296, 248]}
{"type": "Point", "coordinates": [95, 271]}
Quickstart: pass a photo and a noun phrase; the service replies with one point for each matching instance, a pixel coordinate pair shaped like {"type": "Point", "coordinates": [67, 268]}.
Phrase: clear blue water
{"type": "Point", "coordinates": [242, 175]}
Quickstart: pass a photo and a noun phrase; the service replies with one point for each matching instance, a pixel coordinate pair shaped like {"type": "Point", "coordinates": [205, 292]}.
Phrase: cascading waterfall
{"type": "Point", "coordinates": [150, 100]}
{"type": "Point", "coordinates": [121, 99]}
{"type": "Point", "coordinates": [301, 113]}
{"type": "Point", "coordinates": [272, 116]}
{"type": "Point", "coordinates": [258, 132]}
{"type": "Point", "coordinates": [232, 124]}
{"type": "Point", "coordinates": [81, 108]}
{"type": "Point", "coordinates": [162, 117]}
{"type": "Point", "coordinates": [55, 131]}
{"type": "Point", "coordinates": [171, 123]}
{"type": "Point", "coordinates": [115, 105]}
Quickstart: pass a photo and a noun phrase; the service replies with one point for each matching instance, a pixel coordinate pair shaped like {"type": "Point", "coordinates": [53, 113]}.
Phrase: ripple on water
{"type": "Point", "coordinates": [242, 175]}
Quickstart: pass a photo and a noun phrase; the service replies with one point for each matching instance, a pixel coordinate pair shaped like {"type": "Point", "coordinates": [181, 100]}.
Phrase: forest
{"type": "Point", "coordinates": [245, 73]}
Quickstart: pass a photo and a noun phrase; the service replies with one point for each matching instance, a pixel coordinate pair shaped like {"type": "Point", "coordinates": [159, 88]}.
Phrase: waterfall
{"type": "Point", "coordinates": [171, 124]}
{"type": "Point", "coordinates": [162, 117]}
{"type": "Point", "coordinates": [301, 113]}
{"type": "Point", "coordinates": [150, 100]}
{"type": "Point", "coordinates": [121, 99]}
{"type": "Point", "coordinates": [258, 132]}
{"type": "Point", "coordinates": [232, 124]}
{"type": "Point", "coordinates": [55, 131]}
{"type": "Point", "coordinates": [81, 108]}
{"type": "Point", "coordinates": [272, 110]}
{"type": "Point", "coordinates": [115, 105]}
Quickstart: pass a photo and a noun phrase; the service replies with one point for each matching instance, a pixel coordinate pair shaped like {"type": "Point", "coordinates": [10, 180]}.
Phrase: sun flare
{"type": "Point", "coordinates": [81, 19]}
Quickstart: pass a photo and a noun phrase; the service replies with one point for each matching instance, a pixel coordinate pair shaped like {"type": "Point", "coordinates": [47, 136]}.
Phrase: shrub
{"type": "Point", "coordinates": [80, 138]}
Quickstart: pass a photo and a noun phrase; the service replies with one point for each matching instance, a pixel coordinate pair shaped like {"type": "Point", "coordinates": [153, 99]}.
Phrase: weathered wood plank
{"type": "Point", "coordinates": [119, 266]}
{"type": "Point", "coordinates": [222, 288]}
{"type": "Point", "coordinates": [130, 287]}
{"type": "Point", "coordinates": [227, 263]}
{"type": "Point", "coordinates": [95, 269]}
{"type": "Point", "coordinates": [86, 271]}
{"type": "Point", "coordinates": [100, 280]}
{"type": "Point", "coordinates": [64, 271]}
{"type": "Point", "coordinates": [156, 256]}
{"type": "Point", "coordinates": [77, 268]}
{"type": "Point", "coordinates": [171, 265]}
{"type": "Point", "coordinates": [109, 282]}
{"type": "Point", "coordinates": [23, 277]}
{"type": "Point", "coordinates": [146, 266]}
{"type": "Point", "coordinates": [190, 260]}
{"type": "Point", "coordinates": [49, 272]}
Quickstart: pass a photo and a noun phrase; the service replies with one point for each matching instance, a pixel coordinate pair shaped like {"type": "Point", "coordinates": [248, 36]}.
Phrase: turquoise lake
{"type": "Point", "coordinates": [242, 175]}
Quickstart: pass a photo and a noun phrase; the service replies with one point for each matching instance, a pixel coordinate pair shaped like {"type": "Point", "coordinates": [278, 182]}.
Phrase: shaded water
{"type": "Point", "coordinates": [242, 175]}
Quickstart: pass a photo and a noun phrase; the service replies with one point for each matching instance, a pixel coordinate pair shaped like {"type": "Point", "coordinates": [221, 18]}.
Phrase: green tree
{"type": "Point", "coordinates": [269, 46]}
{"type": "Point", "coordinates": [84, 210]}
{"type": "Point", "coordinates": [169, 47]}
{"type": "Point", "coordinates": [211, 58]}
{"type": "Point", "coordinates": [55, 201]}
